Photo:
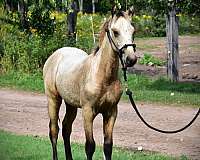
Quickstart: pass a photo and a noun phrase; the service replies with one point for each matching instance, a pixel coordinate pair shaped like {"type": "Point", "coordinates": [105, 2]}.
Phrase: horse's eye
{"type": "Point", "coordinates": [116, 33]}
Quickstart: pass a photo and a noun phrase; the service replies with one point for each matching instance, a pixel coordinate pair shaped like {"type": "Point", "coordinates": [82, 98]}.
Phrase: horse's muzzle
{"type": "Point", "coordinates": [130, 60]}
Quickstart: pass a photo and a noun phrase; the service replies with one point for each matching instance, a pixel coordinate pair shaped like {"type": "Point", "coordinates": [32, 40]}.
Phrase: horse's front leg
{"type": "Point", "coordinates": [88, 117]}
{"type": "Point", "coordinates": [70, 116]}
{"type": "Point", "coordinates": [109, 118]}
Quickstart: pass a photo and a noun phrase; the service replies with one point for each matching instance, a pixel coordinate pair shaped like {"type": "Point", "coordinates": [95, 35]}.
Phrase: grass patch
{"type": "Point", "coordinates": [15, 147]}
{"type": "Point", "coordinates": [148, 38]}
{"type": "Point", "coordinates": [22, 81]}
{"type": "Point", "coordinates": [195, 46]}
{"type": "Point", "coordinates": [146, 46]}
{"type": "Point", "coordinates": [149, 59]}
{"type": "Point", "coordinates": [145, 89]}
{"type": "Point", "coordinates": [163, 91]}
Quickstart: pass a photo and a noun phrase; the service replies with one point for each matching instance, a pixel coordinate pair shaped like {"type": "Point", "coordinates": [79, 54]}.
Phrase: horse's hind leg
{"type": "Point", "coordinates": [70, 116]}
{"type": "Point", "coordinates": [108, 124]}
{"type": "Point", "coordinates": [54, 106]}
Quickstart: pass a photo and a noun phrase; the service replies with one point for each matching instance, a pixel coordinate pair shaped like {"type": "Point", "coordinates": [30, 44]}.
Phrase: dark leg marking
{"type": "Point", "coordinates": [108, 124]}
{"type": "Point", "coordinates": [67, 129]}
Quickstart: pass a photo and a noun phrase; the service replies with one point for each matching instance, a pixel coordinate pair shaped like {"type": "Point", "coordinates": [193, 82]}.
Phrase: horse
{"type": "Point", "coordinates": [90, 82]}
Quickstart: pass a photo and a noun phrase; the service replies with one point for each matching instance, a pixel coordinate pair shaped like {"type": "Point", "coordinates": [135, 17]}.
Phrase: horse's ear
{"type": "Point", "coordinates": [114, 10]}
{"type": "Point", "coordinates": [131, 11]}
{"type": "Point", "coordinates": [105, 26]}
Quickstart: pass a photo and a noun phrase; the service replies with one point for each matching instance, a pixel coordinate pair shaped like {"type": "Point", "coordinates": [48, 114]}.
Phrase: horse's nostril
{"type": "Point", "coordinates": [130, 61]}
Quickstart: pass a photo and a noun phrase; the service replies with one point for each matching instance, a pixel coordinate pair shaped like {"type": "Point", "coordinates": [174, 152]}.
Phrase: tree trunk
{"type": "Point", "coordinates": [9, 5]}
{"type": "Point", "coordinates": [80, 5]}
{"type": "Point", "coordinates": [22, 9]}
{"type": "Point", "coordinates": [59, 5]}
{"type": "Point", "coordinates": [72, 19]}
{"type": "Point", "coordinates": [93, 6]}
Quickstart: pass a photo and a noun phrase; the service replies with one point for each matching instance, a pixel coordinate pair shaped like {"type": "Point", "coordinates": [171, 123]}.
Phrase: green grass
{"type": "Point", "coordinates": [15, 147]}
{"type": "Point", "coordinates": [149, 59]}
{"type": "Point", "coordinates": [22, 81]}
{"type": "Point", "coordinates": [145, 89]}
{"type": "Point", "coordinates": [163, 91]}
{"type": "Point", "coordinates": [195, 46]}
{"type": "Point", "coordinates": [149, 38]}
{"type": "Point", "coordinates": [146, 46]}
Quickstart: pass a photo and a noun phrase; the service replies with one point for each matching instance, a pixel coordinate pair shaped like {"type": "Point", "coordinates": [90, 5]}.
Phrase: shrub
{"type": "Point", "coordinates": [148, 59]}
{"type": "Point", "coordinates": [188, 25]}
{"type": "Point", "coordinates": [39, 18]}
{"type": "Point", "coordinates": [84, 30]}
{"type": "Point", "coordinates": [27, 52]}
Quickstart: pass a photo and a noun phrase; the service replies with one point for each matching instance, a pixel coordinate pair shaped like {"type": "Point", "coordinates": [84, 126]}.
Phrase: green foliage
{"type": "Point", "coordinates": [84, 30]}
{"type": "Point", "coordinates": [148, 59]}
{"type": "Point", "coordinates": [34, 148]}
{"type": "Point", "coordinates": [189, 24]}
{"type": "Point", "coordinates": [27, 53]}
{"type": "Point", "coordinates": [39, 18]}
{"type": "Point", "coordinates": [189, 7]}
{"type": "Point", "coordinates": [103, 6]}
{"type": "Point", "coordinates": [149, 26]}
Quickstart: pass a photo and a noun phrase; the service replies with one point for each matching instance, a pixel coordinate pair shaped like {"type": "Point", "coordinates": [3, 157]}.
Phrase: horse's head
{"type": "Point", "coordinates": [121, 34]}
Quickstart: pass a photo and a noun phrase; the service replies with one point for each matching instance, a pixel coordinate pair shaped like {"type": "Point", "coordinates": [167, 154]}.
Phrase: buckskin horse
{"type": "Point", "coordinates": [89, 82]}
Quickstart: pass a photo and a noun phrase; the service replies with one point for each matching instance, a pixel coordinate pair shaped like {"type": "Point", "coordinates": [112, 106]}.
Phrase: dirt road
{"type": "Point", "coordinates": [26, 113]}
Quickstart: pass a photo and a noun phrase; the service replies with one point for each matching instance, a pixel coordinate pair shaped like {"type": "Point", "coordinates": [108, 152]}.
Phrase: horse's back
{"type": "Point", "coordinates": [71, 57]}
{"type": "Point", "coordinates": [62, 60]}
{"type": "Point", "coordinates": [69, 52]}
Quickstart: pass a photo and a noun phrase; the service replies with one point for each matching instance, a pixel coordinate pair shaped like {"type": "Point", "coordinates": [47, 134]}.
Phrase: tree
{"type": "Point", "coordinates": [93, 6]}
{"type": "Point", "coordinates": [22, 9]}
{"type": "Point", "coordinates": [72, 19]}
{"type": "Point", "coordinates": [80, 5]}
{"type": "Point", "coordinates": [58, 5]}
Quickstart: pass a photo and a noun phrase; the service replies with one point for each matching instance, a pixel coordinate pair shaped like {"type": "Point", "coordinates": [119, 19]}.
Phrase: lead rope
{"type": "Point", "coordinates": [130, 94]}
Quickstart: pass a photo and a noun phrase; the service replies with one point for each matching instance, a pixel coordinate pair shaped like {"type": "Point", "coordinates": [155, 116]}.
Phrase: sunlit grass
{"type": "Point", "coordinates": [22, 81]}
{"type": "Point", "coordinates": [15, 147]}
{"type": "Point", "coordinates": [164, 91]}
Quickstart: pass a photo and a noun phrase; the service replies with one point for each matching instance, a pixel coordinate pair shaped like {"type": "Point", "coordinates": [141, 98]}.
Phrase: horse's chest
{"type": "Point", "coordinates": [111, 96]}
{"type": "Point", "coordinates": [101, 97]}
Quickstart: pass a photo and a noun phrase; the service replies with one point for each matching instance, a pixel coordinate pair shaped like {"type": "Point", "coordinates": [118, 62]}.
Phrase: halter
{"type": "Point", "coordinates": [120, 51]}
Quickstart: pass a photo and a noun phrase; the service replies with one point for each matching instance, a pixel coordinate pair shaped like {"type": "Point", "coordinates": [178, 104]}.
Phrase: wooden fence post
{"type": "Point", "coordinates": [172, 44]}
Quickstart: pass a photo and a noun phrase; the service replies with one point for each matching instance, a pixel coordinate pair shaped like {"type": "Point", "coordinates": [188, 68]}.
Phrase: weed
{"type": "Point", "coordinates": [150, 60]}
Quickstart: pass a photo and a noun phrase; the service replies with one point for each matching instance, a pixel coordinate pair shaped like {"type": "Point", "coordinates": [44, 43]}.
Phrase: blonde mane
{"type": "Point", "coordinates": [102, 32]}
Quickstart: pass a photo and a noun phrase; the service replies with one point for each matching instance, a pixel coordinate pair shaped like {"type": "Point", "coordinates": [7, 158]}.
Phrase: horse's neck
{"type": "Point", "coordinates": [107, 63]}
